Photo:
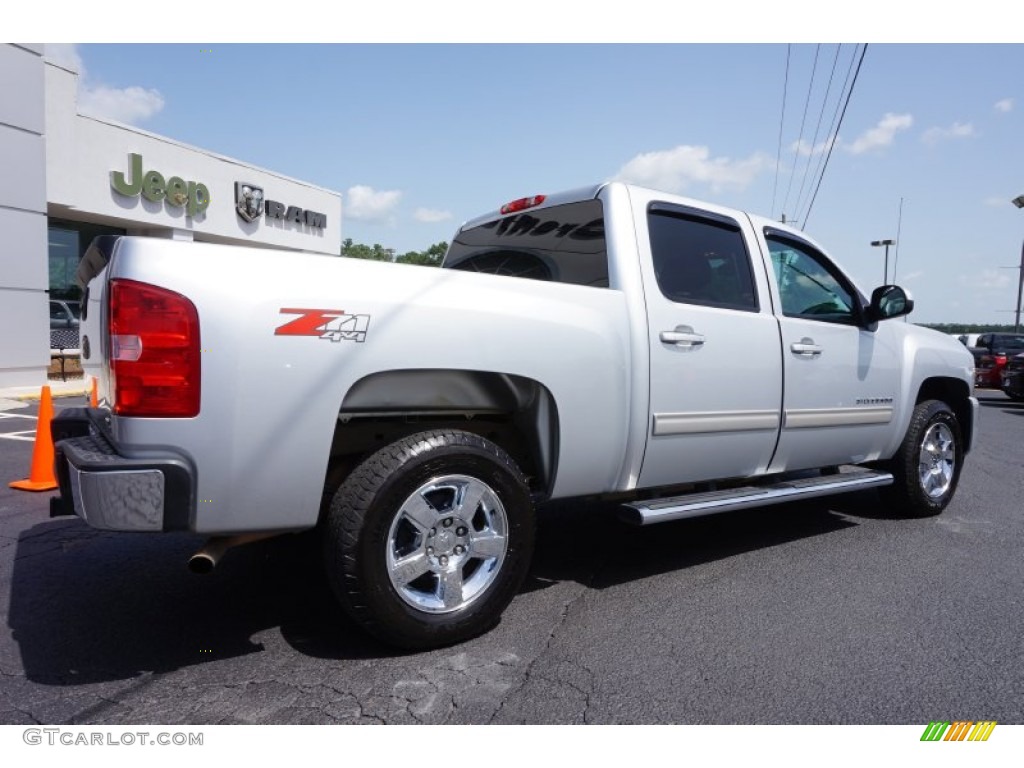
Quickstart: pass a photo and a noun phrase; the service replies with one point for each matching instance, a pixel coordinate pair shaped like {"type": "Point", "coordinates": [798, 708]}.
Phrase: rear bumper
{"type": "Point", "coordinates": [148, 490]}
{"type": "Point", "coordinates": [988, 378]}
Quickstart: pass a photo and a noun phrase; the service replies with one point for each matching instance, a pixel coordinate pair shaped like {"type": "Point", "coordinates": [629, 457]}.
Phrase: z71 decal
{"type": "Point", "coordinates": [329, 324]}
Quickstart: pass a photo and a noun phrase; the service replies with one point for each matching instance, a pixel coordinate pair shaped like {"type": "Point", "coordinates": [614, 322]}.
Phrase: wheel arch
{"type": "Point", "coordinates": [515, 412]}
{"type": "Point", "coordinates": [956, 393]}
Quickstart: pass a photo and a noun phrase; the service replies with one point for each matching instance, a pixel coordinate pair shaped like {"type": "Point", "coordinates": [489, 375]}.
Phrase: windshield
{"type": "Point", "coordinates": [1007, 340]}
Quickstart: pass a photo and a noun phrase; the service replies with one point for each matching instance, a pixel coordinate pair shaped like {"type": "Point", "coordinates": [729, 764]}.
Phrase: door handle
{"type": "Point", "coordinates": [805, 347]}
{"type": "Point", "coordinates": [682, 336]}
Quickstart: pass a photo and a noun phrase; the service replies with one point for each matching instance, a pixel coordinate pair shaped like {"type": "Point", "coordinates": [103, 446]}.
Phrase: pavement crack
{"type": "Point", "coordinates": [528, 672]}
{"type": "Point", "coordinates": [28, 714]}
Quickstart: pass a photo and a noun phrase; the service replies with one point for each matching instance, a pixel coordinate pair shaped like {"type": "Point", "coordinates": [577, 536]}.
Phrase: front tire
{"type": "Point", "coordinates": [429, 539]}
{"type": "Point", "coordinates": [926, 468]}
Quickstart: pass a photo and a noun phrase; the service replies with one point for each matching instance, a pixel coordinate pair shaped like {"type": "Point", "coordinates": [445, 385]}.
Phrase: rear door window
{"type": "Point", "coordinates": [700, 259]}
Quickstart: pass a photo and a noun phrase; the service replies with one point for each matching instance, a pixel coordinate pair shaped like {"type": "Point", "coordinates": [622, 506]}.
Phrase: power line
{"type": "Point", "coordinates": [833, 131]}
{"type": "Point", "coordinates": [853, 84]}
{"type": "Point", "coordinates": [782, 118]}
{"type": "Point", "coordinates": [817, 131]}
{"type": "Point", "coordinates": [803, 121]}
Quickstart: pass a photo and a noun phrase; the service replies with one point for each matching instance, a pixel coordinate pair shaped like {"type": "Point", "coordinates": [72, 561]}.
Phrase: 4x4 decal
{"type": "Point", "coordinates": [329, 324]}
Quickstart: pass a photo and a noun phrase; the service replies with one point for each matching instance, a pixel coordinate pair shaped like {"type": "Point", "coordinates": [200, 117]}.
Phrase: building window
{"type": "Point", "coordinates": [64, 256]}
{"type": "Point", "coordinates": [68, 241]}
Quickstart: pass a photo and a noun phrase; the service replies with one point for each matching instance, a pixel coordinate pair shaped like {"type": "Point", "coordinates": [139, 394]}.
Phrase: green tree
{"type": "Point", "coordinates": [431, 257]}
{"type": "Point", "coordinates": [376, 252]}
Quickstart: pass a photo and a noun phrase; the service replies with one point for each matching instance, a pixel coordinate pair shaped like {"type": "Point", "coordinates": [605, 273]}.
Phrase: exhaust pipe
{"type": "Point", "coordinates": [206, 559]}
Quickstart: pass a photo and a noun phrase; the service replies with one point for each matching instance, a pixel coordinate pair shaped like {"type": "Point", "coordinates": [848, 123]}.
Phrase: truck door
{"type": "Point", "coordinates": [716, 370]}
{"type": "Point", "coordinates": [840, 379]}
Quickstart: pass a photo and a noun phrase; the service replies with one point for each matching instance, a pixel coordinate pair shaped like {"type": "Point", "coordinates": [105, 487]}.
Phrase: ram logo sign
{"type": "Point", "coordinates": [250, 203]}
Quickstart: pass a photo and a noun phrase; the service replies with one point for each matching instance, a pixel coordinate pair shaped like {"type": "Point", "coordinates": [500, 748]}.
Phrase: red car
{"type": "Point", "coordinates": [990, 357]}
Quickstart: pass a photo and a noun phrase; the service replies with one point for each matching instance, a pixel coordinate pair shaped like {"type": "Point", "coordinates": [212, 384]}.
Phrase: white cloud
{"type": "Point", "coordinates": [955, 131]}
{"type": "Point", "coordinates": [882, 135]}
{"type": "Point", "coordinates": [66, 55]}
{"type": "Point", "coordinates": [988, 280]}
{"type": "Point", "coordinates": [996, 202]}
{"type": "Point", "coordinates": [132, 105]}
{"type": "Point", "coordinates": [804, 148]}
{"type": "Point", "coordinates": [1004, 105]}
{"type": "Point", "coordinates": [430, 215]}
{"type": "Point", "coordinates": [367, 204]}
{"type": "Point", "coordinates": [673, 170]}
{"type": "Point", "coordinates": [911, 276]}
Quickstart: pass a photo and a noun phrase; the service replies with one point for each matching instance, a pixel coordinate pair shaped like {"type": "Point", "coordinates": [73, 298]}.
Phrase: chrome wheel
{"type": "Point", "coordinates": [447, 543]}
{"type": "Point", "coordinates": [937, 460]}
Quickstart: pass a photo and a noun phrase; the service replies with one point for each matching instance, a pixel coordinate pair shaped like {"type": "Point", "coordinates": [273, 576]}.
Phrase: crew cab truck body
{"type": "Point", "coordinates": [686, 357]}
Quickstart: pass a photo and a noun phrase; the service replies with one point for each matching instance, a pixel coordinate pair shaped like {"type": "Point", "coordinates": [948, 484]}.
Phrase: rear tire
{"type": "Point", "coordinates": [429, 539]}
{"type": "Point", "coordinates": [926, 468]}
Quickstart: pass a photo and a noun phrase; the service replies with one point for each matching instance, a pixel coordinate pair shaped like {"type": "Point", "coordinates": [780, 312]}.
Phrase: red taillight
{"type": "Point", "coordinates": [154, 351]}
{"type": "Point", "coordinates": [522, 204]}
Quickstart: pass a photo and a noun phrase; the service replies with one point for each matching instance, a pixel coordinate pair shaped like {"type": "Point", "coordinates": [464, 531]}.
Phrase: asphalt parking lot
{"type": "Point", "coordinates": [826, 611]}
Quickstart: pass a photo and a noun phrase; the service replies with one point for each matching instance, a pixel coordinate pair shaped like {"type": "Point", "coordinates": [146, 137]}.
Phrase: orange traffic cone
{"type": "Point", "coordinates": [94, 397]}
{"type": "Point", "coordinates": [41, 477]}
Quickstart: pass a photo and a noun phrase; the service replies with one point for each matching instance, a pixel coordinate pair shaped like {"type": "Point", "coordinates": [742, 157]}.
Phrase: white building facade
{"type": "Point", "coordinates": [71, 177]}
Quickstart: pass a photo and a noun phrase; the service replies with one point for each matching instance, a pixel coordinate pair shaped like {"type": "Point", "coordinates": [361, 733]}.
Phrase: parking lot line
{"type": "Point", "coordinates": [23, 434]}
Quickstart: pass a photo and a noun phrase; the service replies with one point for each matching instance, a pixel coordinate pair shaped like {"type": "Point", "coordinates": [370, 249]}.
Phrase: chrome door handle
{"type": "Point", "coordinates": [682, 336]}
{"type": "Point", "coordinates": [805, 347]}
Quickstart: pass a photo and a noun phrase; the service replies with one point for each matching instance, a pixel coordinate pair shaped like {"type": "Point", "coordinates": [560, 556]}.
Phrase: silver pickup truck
{"type": "Point", "coordinates": [611, 341]}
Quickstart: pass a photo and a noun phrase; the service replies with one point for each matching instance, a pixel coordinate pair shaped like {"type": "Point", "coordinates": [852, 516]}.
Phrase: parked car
{"type": "Point", "coordinates": [968, 339]}
{"type": "Point", "coordinates": [64, 319]}
{"type": "Point", "coordinates": [64, 314]}
{"type": "Point", "coordinates": [990, 356]}
{"type": "Point", "coordinates": [1013, 378]}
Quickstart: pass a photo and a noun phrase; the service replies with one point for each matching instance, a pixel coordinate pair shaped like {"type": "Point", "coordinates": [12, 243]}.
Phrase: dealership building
{"type": "Point", "coordinates": [69, 177]}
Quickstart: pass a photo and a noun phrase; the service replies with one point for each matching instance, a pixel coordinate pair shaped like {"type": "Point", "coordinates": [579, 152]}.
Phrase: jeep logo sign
{"type": "Point", "coordinates": [250, 203]}
{"type": "Point", "coordinates": [193, 196]}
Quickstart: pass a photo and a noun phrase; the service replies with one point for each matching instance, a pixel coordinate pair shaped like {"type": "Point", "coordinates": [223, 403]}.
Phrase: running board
{"type": "Point", "coordinates": [708, 503]}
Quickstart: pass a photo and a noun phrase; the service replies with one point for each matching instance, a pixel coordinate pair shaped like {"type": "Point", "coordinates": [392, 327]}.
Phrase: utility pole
{"type": "Point", "coordinates": [1019, 202]}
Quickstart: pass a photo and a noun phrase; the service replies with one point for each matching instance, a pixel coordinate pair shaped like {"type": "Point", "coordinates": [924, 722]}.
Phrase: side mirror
{"type": "Point", "coordinates": [888, 301]}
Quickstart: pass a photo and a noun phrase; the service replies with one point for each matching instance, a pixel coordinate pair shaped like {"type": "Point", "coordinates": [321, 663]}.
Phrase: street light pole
{"type": "Point", "coordinates": [886, 243]}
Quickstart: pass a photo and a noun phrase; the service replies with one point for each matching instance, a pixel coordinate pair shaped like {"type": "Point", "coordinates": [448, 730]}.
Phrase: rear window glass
{"type": "Point", "coordinates": [563, 243]}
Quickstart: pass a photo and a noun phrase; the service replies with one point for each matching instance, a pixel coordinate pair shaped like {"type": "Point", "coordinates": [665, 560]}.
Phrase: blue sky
{"type": "Point", "coordinates": [420, 137]}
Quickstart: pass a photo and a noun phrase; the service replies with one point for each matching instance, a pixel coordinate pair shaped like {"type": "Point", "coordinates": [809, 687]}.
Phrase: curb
{"type": "Point", "coordinates": [18, 393]}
